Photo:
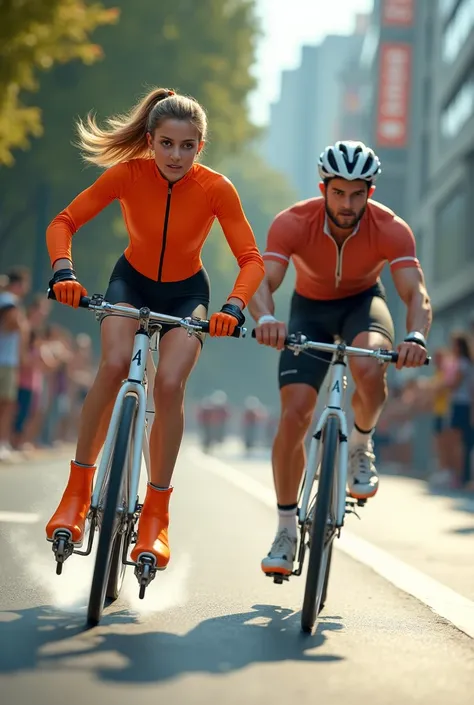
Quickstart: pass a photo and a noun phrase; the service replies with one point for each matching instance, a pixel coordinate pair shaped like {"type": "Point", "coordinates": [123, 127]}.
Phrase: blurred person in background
{"type": "Point", "coordinates": [339, 244]}
{"type": "Point", "coordinates": [13, 336]}
{"type": "Point", "coordinates": [204, 413]}
{"type": "Point", "coordinates": [59, 344]}
{"type": "Point", "coordinates": [213, 414]}
{"type": "Point", "coordinates": [169, 202]}
{"type": "Point", "coordinates": [81, 373]}
{"type": "Point", "coordinates": [254, 416]}
{"type": "Point", "coordinates": [221, 414]}
{"type": "Point", "coordinates": [439, 386]}
{"type": "Point", "coordinates": [36, 362]}
{"type": "Point", "coordinates": [461, 384]}
{"type": "Point", "coordinates": [29, 391]}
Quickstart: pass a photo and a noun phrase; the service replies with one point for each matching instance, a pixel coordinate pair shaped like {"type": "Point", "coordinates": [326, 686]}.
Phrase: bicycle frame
{"type": "Point", "coordinates": [337, 386]}
{"type": "Point", "coordinates": [133, 385]}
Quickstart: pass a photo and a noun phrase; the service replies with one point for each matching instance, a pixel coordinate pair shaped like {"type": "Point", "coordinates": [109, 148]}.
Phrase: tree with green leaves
{"type": "Point", "coordinates": [34, 36]}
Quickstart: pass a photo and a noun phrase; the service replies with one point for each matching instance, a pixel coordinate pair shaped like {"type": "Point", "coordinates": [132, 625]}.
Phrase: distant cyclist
{"type": "Point", "coordinates": [213, 414]}
{"type": "Point", "coordinates": [339, 244]}
{"type": "Point", "coordinates": [221, 414]}
{"type": "Point", "coordinates": [254, 416]}
{"type": "Point", "coordinates": [169, 202]}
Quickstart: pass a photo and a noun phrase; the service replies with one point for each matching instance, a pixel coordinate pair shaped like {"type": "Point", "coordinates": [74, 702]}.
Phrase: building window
{"type": "Point", "coordinates": [451, 240]}
{"type": "Point", "coordinates": [459, 109]}
{"type": "Point", "coordinates": [458, 30]}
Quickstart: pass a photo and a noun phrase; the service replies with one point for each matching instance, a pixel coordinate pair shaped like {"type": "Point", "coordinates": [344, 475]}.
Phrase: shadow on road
{"type": "Point", "coordinates": [265, 634]}
{"type": "Point", "coordinates": [24, 633]}
{"type": "Point", "coordinates": [464, 531]}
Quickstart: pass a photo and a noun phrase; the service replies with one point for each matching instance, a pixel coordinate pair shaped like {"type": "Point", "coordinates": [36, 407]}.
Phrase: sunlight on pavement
{"type": "Point", "coordinates": [67, 591]}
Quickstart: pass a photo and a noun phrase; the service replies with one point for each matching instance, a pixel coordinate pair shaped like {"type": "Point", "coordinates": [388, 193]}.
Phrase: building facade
{"type": "Point", "coordinates": [440, 184]}
{"type": "Point", "coordinates": [307, 115]}
{"type": "Point", "coordinates": [412, 91]}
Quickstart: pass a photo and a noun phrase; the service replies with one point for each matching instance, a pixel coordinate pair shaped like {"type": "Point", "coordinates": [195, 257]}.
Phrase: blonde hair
{"type": "Point", "coordinates": [126, 136]}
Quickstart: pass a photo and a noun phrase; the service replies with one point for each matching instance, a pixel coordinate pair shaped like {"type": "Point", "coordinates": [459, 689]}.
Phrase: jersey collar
{"type": "Point", "coordinates": [185, 178]}
{"type": "Point", "coordinates": [328, 232]}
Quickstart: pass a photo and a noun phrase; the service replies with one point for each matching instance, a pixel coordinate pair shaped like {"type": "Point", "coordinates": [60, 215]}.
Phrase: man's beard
{"type": "Point", "coordinates": [345, 225]}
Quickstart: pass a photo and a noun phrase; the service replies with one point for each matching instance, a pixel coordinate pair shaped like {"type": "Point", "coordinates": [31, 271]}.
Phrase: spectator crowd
{"type": "Point", "coordinates": [446, 398]}
{"type": "Point", "coordinates": [45, 371]}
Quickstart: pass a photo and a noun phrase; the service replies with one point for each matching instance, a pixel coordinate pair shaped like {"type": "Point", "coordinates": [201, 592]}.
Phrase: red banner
{"type": "Point", "coordinates": [398, 13]}
{"type": "Point", "coordinates": [393, 95]}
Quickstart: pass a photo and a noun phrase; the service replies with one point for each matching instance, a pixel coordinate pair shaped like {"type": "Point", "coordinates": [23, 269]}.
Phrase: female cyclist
{"type": "Point", "coordinates": [169, 202]}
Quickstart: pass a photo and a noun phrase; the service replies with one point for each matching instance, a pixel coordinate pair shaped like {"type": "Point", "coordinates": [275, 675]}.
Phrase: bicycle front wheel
{"type": "Point", "coordinates": [123, 538]}
{"type": "Point", "coordinates": [321, 533]}
{"type": "Point", "coordinates": [108, 534]}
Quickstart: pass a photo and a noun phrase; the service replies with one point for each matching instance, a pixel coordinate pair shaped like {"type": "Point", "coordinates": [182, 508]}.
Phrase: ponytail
{"type": "Point", "coordinates": [126, 136]}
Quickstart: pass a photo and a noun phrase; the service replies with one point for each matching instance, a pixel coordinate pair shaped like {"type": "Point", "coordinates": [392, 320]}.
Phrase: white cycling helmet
{"type": "Point", "coordinates": [349, 160]}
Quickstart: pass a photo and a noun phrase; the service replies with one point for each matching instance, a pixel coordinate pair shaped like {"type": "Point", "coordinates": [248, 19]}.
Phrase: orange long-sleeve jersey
{"type": "Point", "coordinates": [167, 223]}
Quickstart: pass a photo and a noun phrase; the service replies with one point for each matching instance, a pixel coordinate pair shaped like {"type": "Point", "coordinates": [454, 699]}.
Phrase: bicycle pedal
{"type": "Point", "coordinates": [62, 548]}
{"type": "Point", "coordinates": [145, 572]}
{"type": "Point", "coordinates": [278, 578]}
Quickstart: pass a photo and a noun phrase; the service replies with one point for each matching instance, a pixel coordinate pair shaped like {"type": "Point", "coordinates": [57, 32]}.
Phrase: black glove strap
{"type": "Point", "coordinates": [235, 311]}
{"type": "Point", "coordinates": [62, 275]}
{"type": "Point", "coordinates": [415, 338]}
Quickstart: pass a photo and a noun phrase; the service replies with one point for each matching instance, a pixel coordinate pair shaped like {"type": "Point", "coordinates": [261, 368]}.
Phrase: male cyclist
{"type": "Point", "coordinates": [339, 244]}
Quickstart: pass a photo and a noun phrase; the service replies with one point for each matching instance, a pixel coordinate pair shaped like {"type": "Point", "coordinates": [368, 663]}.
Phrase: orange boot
{"type": "Point", "coordinates": [74, 505]}
{"type": "Point", "coordinates": [153, 527]}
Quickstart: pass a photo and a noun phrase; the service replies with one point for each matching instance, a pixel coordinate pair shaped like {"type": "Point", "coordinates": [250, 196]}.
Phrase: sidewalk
{"type": "Point", "coordinates": [19, 457]}
{"type": "Point", "coordinates": [429, 530]}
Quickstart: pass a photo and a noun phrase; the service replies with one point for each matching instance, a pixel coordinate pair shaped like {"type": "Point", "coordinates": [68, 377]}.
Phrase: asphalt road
{"type": "Point", "coordinates": [212, 628]}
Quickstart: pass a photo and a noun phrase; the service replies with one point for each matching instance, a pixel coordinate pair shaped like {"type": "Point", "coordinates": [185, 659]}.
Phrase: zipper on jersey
{"type": "Point", "coordinates": [165, 232]}
{"type": "Point", "coordinates": [340, 252]}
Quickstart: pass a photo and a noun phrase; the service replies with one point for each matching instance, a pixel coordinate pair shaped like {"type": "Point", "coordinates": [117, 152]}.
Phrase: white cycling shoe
{"type": "Point", "coordinates": [282, 554]}
{"type": "Point", "coordinates": [362, 477]}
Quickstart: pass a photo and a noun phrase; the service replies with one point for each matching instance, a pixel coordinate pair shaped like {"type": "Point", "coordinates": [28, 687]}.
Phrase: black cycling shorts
{"type": "Point", "coordinates": [323, 322]}
{"type": "Point", "coordinates": [179, 298]}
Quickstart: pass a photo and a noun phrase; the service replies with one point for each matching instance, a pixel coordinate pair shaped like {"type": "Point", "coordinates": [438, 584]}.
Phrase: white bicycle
{"type": "Point", "coordinates": [115, 508]}
{"type": "Point", "coordinates": [322, 506]}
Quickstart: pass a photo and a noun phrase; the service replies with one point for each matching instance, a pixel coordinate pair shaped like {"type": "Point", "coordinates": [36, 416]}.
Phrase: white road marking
{"type": "Point", "coordinates": [19, 517]}
{"type": "Point", "coordinates": [447, 603]}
